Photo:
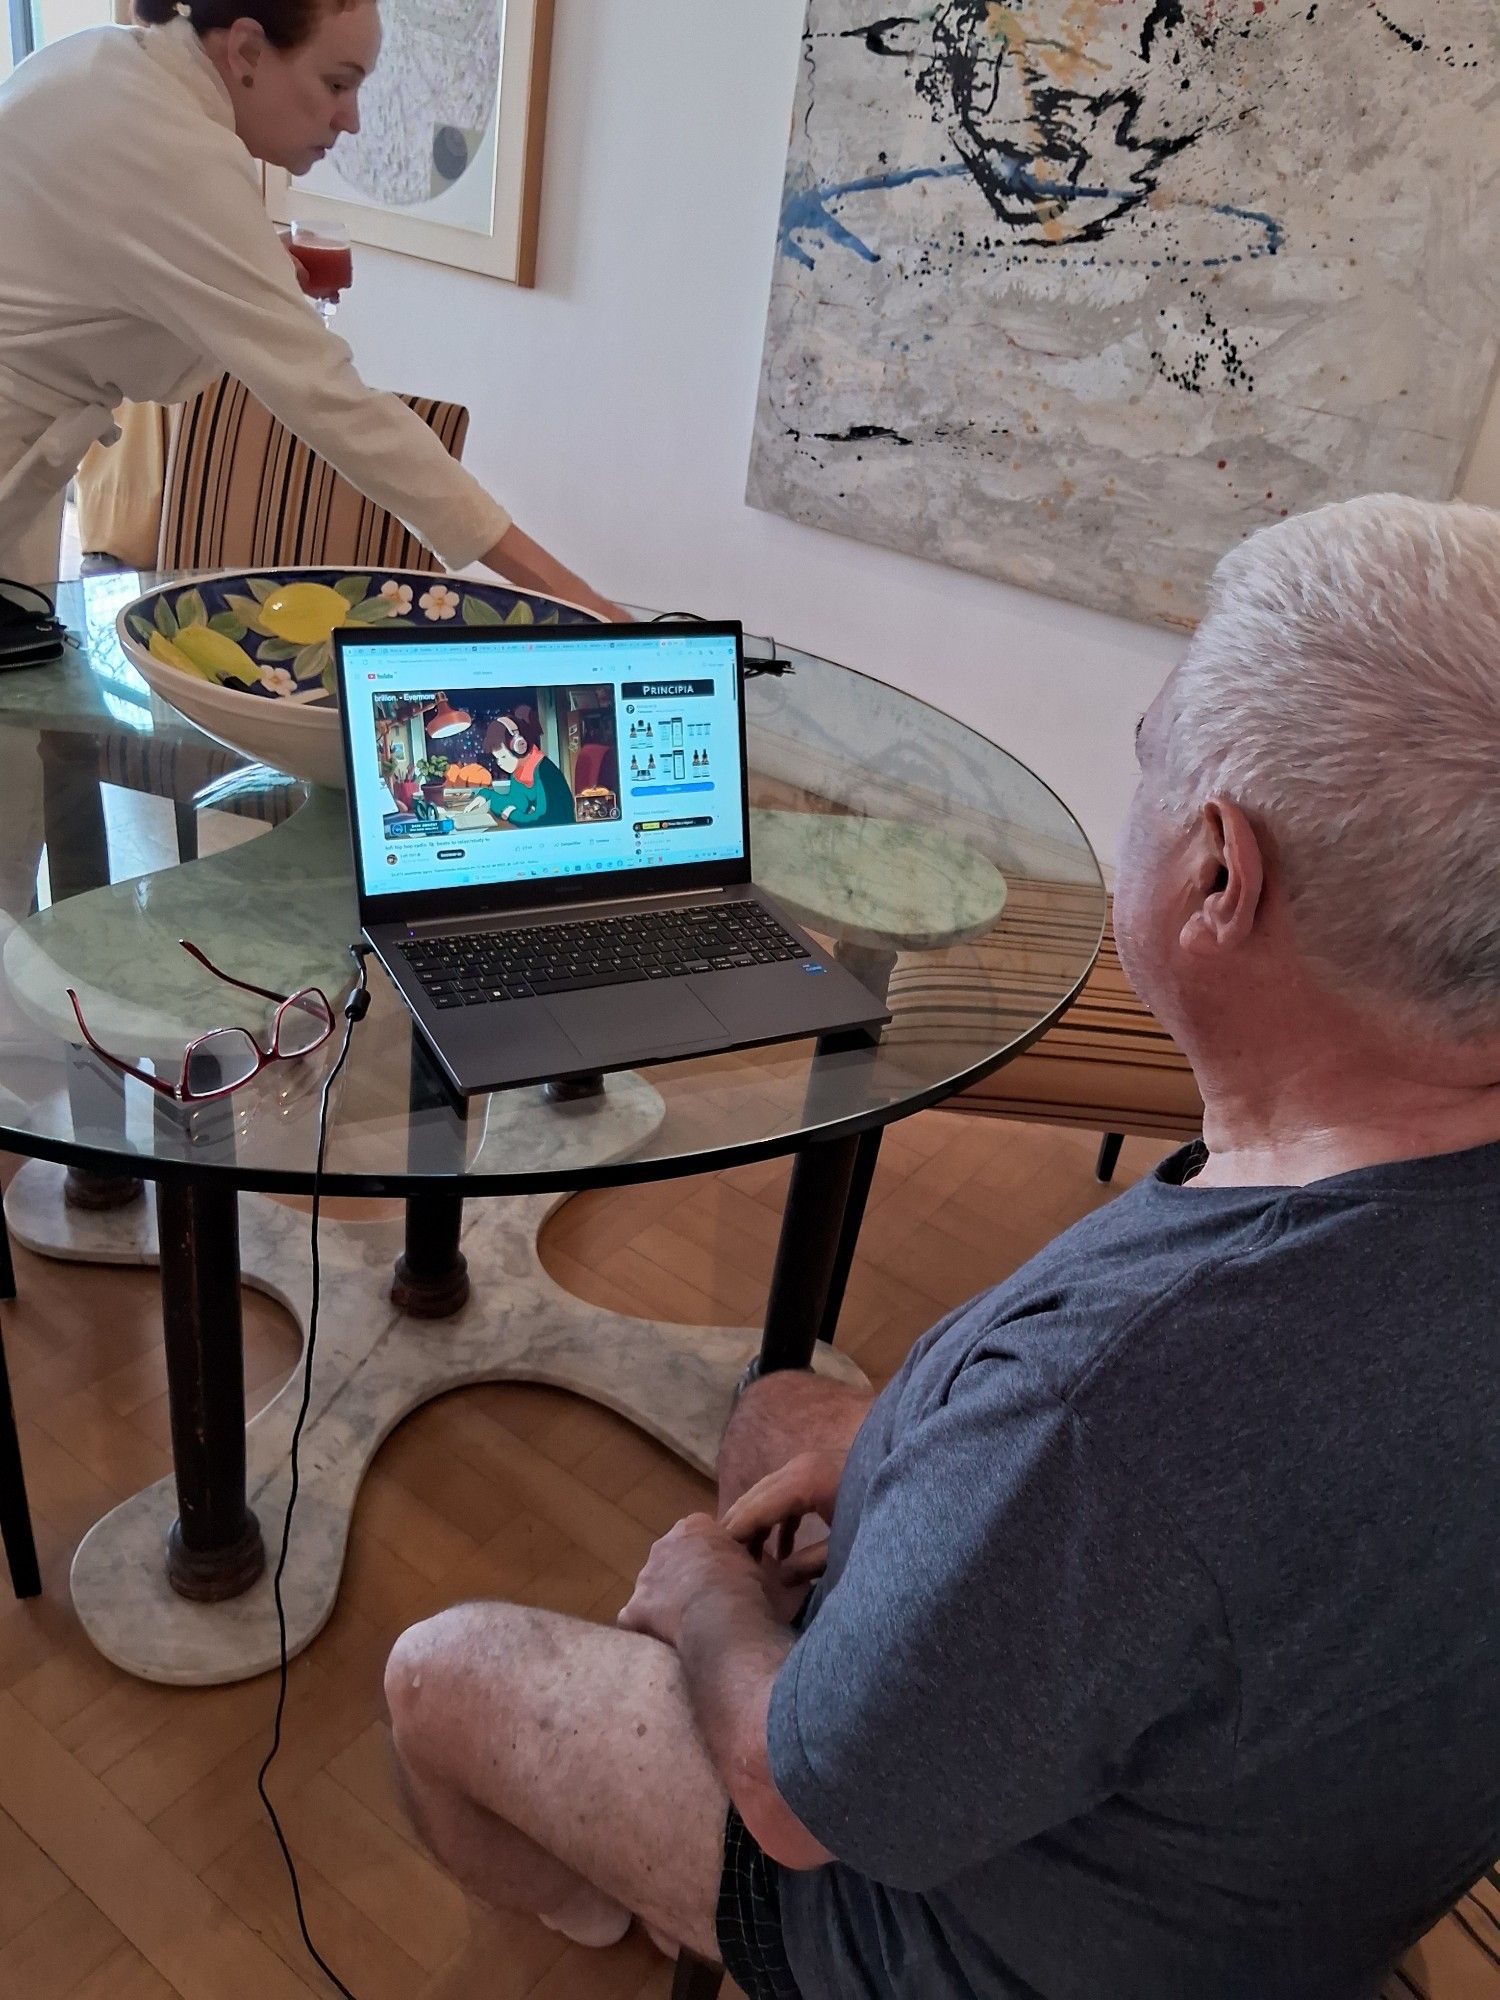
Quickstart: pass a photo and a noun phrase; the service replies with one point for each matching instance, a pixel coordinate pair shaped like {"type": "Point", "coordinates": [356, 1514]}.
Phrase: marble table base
{"type": "Point", "coordinates": [373, 1366]}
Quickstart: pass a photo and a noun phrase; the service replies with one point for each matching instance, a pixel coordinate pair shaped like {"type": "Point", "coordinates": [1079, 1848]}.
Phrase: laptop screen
{"type": "Point", "coordinates": [486, 761]}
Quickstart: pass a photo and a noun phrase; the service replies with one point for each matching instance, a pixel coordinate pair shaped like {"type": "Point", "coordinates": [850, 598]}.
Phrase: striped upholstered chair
{"type": "Point", "coordinates": [1107, 1065]}
{"type": "Point", "coordinates": [243, 493]}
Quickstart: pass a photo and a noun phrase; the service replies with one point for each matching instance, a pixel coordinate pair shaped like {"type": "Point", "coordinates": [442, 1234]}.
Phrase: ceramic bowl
{"type": "Point", "coordinates": [249, 657]}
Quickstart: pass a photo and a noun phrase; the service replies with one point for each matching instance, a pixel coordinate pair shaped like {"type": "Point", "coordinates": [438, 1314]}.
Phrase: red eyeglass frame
{"type": "Point", "coordinates": [180, 1091]}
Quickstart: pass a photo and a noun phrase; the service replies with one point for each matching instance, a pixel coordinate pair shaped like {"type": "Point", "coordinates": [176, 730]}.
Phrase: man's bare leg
{"type": "Point", "coordinates": [496, 1864]}
{"type": "Point", "coordinates": [775, 1418]}
{"type": "Point", "coordinates": [554, 1767]}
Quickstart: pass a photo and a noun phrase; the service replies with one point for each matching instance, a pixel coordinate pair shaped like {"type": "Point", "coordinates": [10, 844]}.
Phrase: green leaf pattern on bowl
{"type": "Point", "coordinates": [279, 668]}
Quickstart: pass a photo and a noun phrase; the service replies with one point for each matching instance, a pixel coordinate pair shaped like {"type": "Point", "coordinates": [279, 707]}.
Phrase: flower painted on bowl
{"type": "Point", "coordinates": [440, 601]}
{"type": "Point", "coordinates": [271, 636]}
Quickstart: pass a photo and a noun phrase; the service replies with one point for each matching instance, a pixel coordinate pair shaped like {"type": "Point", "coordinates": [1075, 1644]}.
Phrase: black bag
{"type": "Point", "coordinates": [31, 635]}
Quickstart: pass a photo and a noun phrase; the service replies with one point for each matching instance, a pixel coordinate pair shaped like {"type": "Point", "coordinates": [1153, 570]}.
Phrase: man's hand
{"type": "Point", "coordinates": [694, 1558]}
{"type": "Point", "coordinates": [774, 1509]}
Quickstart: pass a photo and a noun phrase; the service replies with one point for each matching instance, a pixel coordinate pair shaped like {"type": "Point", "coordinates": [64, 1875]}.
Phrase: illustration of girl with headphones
{"type": "Point", "coordinates": [538, 793]}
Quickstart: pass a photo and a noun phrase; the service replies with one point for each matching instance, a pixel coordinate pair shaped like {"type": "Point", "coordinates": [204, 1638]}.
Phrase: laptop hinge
{"type": "Point", "coordinates": [576, 909]}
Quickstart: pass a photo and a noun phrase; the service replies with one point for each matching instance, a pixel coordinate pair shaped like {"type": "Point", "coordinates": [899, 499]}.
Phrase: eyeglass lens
{"type": "Point", "coordinates": [221, 1061]}
{"type": "Point", "coordinates": [303, 1023]}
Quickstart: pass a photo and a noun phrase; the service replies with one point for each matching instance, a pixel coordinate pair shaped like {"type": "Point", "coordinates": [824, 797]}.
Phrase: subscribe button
{"type": "Point", "coordinates": [452, 853]}
{"type": "Point", "coordinates": [668, 825]}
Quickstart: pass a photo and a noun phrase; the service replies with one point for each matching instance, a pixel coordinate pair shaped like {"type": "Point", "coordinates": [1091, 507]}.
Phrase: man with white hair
{"type": "Point", "coordinates": [1155, 1653]}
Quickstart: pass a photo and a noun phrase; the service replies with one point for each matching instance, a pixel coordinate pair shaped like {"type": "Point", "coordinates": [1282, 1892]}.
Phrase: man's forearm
{"type": "Point", "coordinates": [732, 1649]}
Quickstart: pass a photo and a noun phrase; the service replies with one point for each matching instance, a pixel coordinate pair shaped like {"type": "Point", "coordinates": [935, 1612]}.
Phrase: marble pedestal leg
{"type": "Point", "coordinates": [373, 1364]}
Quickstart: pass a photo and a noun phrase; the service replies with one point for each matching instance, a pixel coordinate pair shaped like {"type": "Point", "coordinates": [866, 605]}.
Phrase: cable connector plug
{"type": "Point", "coordinates": [358, 1004]}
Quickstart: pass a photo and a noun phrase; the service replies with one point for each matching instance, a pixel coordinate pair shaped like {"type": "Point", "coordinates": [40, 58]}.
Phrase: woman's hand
{"type": "Point", "coordinates": [303, 278]}
{"type": "Point", "coordinates": [522, 561]}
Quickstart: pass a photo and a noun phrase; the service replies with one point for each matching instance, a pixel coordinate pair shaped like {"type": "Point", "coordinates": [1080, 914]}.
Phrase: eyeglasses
{"type": "Point", "coordinates": [226, 1058]}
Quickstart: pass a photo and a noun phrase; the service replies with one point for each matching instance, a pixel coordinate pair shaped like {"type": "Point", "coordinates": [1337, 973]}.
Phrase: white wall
{"type": "Point", "coordinates": [613, 405]}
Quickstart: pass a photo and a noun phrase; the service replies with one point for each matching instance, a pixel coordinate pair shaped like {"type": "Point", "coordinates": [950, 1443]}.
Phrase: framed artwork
{"type": "Point", "coordinates": [447, 164]}
{"type": "Point", "coordinates": [1077, 293]}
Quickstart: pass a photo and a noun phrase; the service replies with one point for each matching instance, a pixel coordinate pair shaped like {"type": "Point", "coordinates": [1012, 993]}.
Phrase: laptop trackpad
{"type": "Point", "coordinates": [625, 1024]}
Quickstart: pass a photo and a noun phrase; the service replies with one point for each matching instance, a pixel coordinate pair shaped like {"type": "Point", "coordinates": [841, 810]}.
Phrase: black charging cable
{"type": "Point", "coordinates": [355, 1009]}
{"type": "Point", "coordinates": [752, 668]}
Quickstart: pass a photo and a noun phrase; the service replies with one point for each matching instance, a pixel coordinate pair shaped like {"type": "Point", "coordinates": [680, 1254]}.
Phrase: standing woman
{"type": "Point", "coordinates": [137, 262]}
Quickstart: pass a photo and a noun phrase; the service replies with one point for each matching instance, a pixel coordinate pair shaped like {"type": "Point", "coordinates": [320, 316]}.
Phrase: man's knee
{"type": "Point", "coordinates": [763, 1414]}
{"type": "Point", "coordinates": [413, 1680]}
{"type": "Point", "coordinates": [426, 1673]}
{"type": "Point", "coordinates": [774, 1418]}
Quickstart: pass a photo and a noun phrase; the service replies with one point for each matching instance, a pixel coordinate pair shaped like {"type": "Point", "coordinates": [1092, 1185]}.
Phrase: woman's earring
{"type": "Point", "coordinates": [247, 82]}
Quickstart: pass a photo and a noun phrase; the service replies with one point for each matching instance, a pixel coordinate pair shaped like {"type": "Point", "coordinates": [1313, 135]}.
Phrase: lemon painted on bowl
{"type": "Point", "coordinates": [249, 657]}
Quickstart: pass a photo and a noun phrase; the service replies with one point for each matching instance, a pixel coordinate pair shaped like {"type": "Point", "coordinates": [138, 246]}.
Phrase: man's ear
{"type": "Point", "coordinates": [1229, 878]}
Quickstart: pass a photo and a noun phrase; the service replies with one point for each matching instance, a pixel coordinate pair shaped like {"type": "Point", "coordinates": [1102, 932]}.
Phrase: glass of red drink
{"type": "Point", "coordinates": [322, 249]}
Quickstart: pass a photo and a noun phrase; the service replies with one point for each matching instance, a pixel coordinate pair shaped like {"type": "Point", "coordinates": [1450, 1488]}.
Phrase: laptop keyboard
{"type": "Point", "coordinates": [477, 968]}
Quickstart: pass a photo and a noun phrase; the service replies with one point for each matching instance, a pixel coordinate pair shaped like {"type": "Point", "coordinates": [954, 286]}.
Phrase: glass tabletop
{"type": "Point", "coordinates": [939, 869]}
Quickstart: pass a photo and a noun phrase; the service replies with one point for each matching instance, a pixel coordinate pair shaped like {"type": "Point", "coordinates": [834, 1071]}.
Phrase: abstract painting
{"type": "Point", "coordinates": [446, 164]}
{"type": "Point", "coordinates": [1076, 293]}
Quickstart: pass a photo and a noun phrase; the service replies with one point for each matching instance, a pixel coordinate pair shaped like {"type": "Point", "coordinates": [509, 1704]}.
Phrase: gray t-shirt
{"type": "Point", "coordinates": [1158, 1654]}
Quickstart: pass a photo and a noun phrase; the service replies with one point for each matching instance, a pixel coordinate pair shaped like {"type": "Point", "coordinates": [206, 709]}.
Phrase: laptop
{"type": "Point", "coordinates": [551, 830]}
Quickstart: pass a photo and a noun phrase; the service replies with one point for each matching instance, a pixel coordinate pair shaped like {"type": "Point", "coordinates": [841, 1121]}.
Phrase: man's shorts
{"type": "Point", "coordinates": [748, 1918]}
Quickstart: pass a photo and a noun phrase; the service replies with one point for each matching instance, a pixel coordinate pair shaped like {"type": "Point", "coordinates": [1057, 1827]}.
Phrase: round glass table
{"type": "Point", "coordinates": [932, 864]}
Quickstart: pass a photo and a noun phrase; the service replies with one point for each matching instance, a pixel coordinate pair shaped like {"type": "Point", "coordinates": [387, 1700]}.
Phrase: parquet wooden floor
{"type": "Point", "coordinates": [135, 1863]}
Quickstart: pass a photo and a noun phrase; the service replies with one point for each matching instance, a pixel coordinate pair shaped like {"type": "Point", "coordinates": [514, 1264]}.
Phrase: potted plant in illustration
{"type": "Point", "coordinates": [433, 772]}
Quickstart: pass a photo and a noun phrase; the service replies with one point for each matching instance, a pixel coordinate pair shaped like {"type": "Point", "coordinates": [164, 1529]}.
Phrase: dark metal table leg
{"type": "Point", "coordinates": [574, 1089]}
{"type": "Point", "coordinates": [97, 1193]}
{"type": "Point", "coordinates": [15, 1514]}
{"type": "Point", "coordinates": [432, 1277]}
{"type": "Point", "coordinates": [214, 1550]}
{"type": "Point", "coordinates": [96, 1097]}
{"type": "Point", "coordinates": [697, 1978]}
{"type": "Point", "coordinates": [866, 1157]}
{"type": "Point", "coordinates": [77, 861]}
{"type": "Point", "coordinates": [185, 817]}
{"type": "Point", "coordinates": [73, 814]}
{"type": "Point", "coordinates": [824, 1204]}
